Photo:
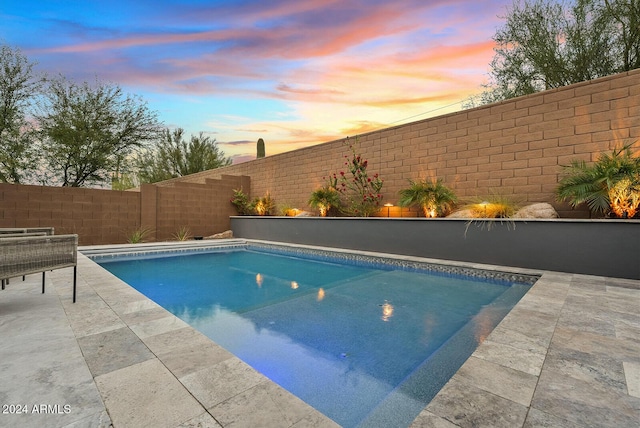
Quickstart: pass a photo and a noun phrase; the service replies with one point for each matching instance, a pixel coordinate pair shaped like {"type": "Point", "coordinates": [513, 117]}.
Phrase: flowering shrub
{"type": "Point", "coordinates": [360, 193]}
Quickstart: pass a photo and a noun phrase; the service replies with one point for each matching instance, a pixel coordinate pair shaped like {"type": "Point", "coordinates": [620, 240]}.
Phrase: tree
{"type": "Point", "coordinates": [18, 85]}
{"type": "Point", "coordinates": [174, 157]}
{"type": "Point", "coordinates": [545, 44]}
{"type": "Point", "coordinates": [625, 15]}
{"type": "Point", "coordinates": [89, 132]}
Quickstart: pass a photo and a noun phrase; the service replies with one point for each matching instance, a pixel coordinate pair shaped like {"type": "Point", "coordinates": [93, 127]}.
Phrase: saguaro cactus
{"type": "Point", "coordinates": [261, 152]}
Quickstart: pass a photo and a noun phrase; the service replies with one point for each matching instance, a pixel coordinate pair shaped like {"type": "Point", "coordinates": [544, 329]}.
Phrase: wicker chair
{"type": "Point", "coordinates": [14, 230]}
{"type": "Point", "coordinates": [33, 254]}
{"type": "Point", "coordinates": [21, 235]}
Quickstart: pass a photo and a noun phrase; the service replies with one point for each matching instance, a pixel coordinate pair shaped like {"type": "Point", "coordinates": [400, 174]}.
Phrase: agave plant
{"type": "Point", "coordinates": [432, 196]}
{"type": "Point", "coordinates": [139, 235]}
{"type": "Point", "coordinates": [182, 234]}
{"type": "Point", "coordinates": [609, 185]}
{"type": "Point", "coordinates": [324, 199]}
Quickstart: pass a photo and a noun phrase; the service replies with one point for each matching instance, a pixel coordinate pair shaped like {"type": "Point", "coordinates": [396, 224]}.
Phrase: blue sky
{"type": "Point", "coordinates": [293, 72]}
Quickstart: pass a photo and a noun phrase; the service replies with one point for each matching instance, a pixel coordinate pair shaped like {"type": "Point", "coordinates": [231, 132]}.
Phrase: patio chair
{"type": "Point", "coordinates": [13, 230]}
{"type": "Point", "coordinates": [4, 234]}
{"type": "Point", "coordinates": [25, 255]}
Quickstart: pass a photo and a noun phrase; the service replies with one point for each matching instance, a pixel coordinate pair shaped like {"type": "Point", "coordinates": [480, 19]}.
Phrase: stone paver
{"type": "Point", "coordinates": [44, 379]}
{"type": "Point", "coordinates": [567, 355]}
{"type": "Point", "coordinates": [113, 350]}
{"type": "Point", "coordinates": [584, 348]}
{"type": "Point", "coordinates": [147, 395]}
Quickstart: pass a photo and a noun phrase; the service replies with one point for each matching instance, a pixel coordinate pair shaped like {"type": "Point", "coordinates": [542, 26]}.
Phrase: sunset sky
{"type": "Point", "coordinates": [293, 72]}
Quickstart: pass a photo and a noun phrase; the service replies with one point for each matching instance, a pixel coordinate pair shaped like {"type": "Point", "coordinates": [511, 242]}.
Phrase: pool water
{"type": "Point", "coordinates": [366, 346]}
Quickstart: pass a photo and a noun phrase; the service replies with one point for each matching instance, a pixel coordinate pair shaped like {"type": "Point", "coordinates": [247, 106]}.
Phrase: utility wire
{"type": "Point", "coordinates": [426, 112]}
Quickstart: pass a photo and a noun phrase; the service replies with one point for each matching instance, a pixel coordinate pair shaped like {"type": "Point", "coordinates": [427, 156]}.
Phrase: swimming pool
{"type": "Point", "coordinates": [365, 340]}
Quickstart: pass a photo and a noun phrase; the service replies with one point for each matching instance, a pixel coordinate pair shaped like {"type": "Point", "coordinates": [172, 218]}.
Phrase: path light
{"type": "Point", "coordinates": [388, 205]}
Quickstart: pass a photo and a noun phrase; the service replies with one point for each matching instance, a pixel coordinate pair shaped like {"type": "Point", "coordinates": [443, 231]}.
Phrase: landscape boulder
{"type": "Point", "coordinates": [222, 235]}
{"type": "Point", "coordinates": [539, 210]}
{"type": "Point", "coordinates": [464, 213]}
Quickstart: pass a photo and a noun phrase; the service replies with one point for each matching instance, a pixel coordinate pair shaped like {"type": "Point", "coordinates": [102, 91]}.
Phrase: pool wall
{"type": "Point", "coordinates": [594, 247]}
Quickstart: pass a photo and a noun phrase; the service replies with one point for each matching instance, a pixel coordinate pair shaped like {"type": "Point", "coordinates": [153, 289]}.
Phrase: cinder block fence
{"type": "Point", "coordinates": [515, 147]}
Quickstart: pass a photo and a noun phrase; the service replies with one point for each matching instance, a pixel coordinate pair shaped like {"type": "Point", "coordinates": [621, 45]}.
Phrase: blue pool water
{"type": "Point", "coordinates": [365, 345]}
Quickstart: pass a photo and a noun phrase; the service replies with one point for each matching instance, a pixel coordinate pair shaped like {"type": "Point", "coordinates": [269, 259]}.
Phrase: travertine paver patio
{"type": "Point", "coordinates": [567, 355]}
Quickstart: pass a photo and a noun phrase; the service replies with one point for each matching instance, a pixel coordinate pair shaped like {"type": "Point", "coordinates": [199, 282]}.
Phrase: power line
{"type": "Point", "coordinates": [426, 112]}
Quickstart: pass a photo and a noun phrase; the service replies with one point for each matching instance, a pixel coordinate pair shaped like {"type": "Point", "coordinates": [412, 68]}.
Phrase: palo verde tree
{"type": "Point", "coordinates": [18, 86]}
{"type": "Point", "coordinates": [546, 44]}
{"type": "Point", "coordinates": [89, 131]}
{"type": "Point", "coordinates": [173, 157]}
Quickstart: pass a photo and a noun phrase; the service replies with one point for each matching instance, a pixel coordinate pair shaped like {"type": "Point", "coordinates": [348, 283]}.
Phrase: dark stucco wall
{"type": "Point", "coordinates": [594, 247]}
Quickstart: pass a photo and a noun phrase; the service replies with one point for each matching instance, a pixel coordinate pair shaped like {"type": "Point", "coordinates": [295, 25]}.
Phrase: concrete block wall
{"type": "Point", "coordinates": [515, 147]}
{"type": "Point", "coordinates": [203, 208]}
{"type": "Point", "coordinates": [109, 217]}
{"type": "Point", "coordinates": [97, 216]}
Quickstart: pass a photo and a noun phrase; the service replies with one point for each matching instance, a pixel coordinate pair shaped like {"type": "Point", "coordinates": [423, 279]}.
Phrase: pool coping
{"type": "Point", "coordinates": [540, 365]}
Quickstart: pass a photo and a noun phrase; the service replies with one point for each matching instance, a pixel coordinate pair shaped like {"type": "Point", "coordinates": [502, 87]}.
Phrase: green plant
{"type": "Point", "coordinates": [263, 206]}
{"type": "Point", "coordinates": [260, 148]}
{"type": "Point", "coordinates": [241, 201]}
{"type": "Point", "coordinates": [360, 194]}
{"type": "Point", "coordinates": [286, 209]}
{"type": "Point", "coordinates": [432, 196]}
{"type": "Point", "coordinates": [324, 199]}
{"type": "Point", "coordinates": [611, 185]}
{"type": "Point", "coordinates": [494, 206]}
{"type": "Point", "coordinates": [138, 235]}
{"type": "Point", "coordinates": [182, 234]}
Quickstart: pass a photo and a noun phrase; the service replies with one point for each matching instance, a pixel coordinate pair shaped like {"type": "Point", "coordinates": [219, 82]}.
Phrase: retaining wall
{"type": "Point", "coordinates": [594, 247]}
